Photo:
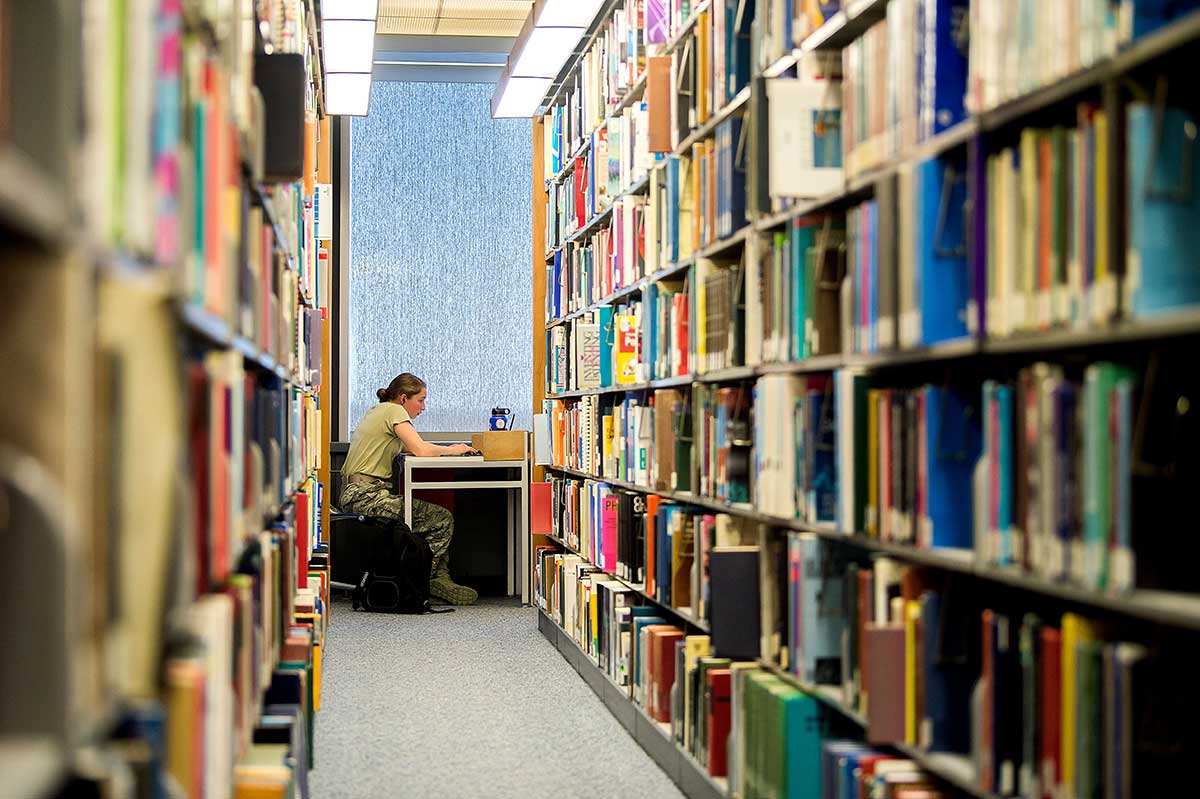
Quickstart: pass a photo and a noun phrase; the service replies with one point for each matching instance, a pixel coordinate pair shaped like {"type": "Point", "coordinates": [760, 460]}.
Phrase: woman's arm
{"type": "Point", "coordinates": [413, 443]}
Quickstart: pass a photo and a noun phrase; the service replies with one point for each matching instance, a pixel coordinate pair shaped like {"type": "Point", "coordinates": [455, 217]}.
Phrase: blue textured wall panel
{"type": "Point", "coordinates": [440, 236]}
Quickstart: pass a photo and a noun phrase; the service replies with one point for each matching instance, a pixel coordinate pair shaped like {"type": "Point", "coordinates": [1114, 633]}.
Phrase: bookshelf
{"type": "Point", "coordinates": [161, 288]}
{"type": "Point", "coordinates": [794, 354]}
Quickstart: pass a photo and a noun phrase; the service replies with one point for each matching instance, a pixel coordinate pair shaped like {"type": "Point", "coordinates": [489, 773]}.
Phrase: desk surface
{"type": "Point", "coordinates": [456, 462]}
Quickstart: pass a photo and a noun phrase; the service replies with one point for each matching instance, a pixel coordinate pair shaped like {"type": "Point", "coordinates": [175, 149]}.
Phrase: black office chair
{"type": "Point", "coordinates": [347, 562]}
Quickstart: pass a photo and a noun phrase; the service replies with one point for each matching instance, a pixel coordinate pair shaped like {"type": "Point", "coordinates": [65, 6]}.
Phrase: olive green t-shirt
{"type": "Point", "coordinates": [375, 442]}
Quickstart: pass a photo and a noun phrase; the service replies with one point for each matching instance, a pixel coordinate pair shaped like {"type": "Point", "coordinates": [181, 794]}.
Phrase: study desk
{"type": "Point", "coordinates": [518, 511]}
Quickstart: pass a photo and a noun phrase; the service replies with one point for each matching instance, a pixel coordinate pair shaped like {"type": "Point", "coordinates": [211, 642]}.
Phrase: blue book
{"type": "Point", "coordinates": [737, 175]}
{"type": "Point", "coordinates": [672, 231]}
{"type": "Point", "coordinates": [822, 455]}
{"type": "Point", "coordinates": [557, 310]}
{"type": "Point", "coordinates": [948, 676]}
{"type": "Point", "coordinates": [650, 331]}
{"type": "Point", "coordinates": [739, 55]}
{"type": "Point", "coordinates": [952, 446]}
{"type": "Point", "coordinates": [871, 252]}
{"type": "Point", "coordinates": [608, 339]}
{"type": "Point", "coordinates": [943, 281]}
{"type": "Point", "coordinates": [1099, 460]}
{"type": "Point", "coordinates": [803, 729]}
{"type": "Point", "coordinates": [641, 616]}
{"type": "Point", "coordinates": [816, 605]}
{"type": "Point", "coordinates": [835, 756]}
{"type": "Point", "coordinates": [801, 239]}
{"type": "Point", "coordinates": [1150, 15]}
{"type": "Point", "coordinates": [662, 551]}
{"type": "Point", "coordinates": [1066, 474]}
{"type": "Point", "coordinates": [943, 57]}
{"type": "Point", "coordinates": [1164, 206]}
{"type": "Point", "coordinates": [1004, 443]}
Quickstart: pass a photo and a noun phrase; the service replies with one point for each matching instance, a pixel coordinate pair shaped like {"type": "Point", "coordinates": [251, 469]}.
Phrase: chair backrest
{"type": "Point", "coordinates": [398, 474]}
{"type": "Point", "coordinates": [337, 457]}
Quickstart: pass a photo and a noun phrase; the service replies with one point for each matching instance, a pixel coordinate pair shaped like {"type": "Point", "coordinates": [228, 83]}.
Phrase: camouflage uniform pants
{"type": "Point", "coordinates": [432, 522]}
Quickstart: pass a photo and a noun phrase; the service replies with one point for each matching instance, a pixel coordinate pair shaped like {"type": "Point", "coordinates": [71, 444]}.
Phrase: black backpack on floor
{"type": "Point", "coordinates": [392, 565]}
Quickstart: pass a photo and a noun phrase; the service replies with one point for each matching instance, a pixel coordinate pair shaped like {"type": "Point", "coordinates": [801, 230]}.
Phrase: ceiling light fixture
{"type": "Point", "coordinates": [348, 47]}
{"type": "Point", "coordinates": [548, 39]}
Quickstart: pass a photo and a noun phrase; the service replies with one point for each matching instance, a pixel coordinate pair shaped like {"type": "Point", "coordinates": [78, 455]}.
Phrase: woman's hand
{"type": "Point", "coordinates": [459, 449]}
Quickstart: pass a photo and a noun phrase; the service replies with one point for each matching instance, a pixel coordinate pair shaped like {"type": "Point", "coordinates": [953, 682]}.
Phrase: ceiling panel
{"type": "Point", "coordinates": [496, 9]}
{"type": "Point", "coordinates": [449, 26]}
{"type": "Point", "coordinates": [453, 17]}
{"type": "Point", "coordinates": [409, 8]}
{"type": "Point", "coordinates": [411, 26]}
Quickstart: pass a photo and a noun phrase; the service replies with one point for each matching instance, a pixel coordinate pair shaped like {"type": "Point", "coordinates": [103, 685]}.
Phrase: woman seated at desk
{"type": "Point", "coordinates": [380, 436]}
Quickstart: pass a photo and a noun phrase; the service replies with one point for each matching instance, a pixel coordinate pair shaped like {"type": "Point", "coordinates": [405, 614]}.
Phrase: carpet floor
{"type": "Point", "coordinates": [470, 704]}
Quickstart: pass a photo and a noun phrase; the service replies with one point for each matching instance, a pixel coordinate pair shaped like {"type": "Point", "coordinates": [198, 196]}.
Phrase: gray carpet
{"type": "Point", "coordinates": [474, 703]}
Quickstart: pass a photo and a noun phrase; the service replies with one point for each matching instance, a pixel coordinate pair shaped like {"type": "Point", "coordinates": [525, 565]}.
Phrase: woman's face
{"type": "Point", "coordinates": [415, 405]}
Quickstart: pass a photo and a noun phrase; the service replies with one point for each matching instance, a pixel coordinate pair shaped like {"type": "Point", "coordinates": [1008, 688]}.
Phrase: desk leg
{"type": "Point", "coordinates": [508, 542]}
{"type": "Point", "coordinates": [524, 533]}
{"type": "Point", "coordinates": [408, 493]}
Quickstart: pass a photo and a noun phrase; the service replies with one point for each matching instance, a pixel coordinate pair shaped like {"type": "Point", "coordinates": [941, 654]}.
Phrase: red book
{"type": "Point", "coordinates": [652, 502]}
{"type": "Point", "coordinates": [580, 192]}
{"type": "Point", "coordinates": [866, 615]}
{"type": "Point", "coordinates": [884, 644]}
{"type": "Point", "coordinates": [198, 444]}
{"type": "Point", "coordinates": [662, 671]}
{"type": "Point", "coordinates": [541, 498]}
{"type": "Point", "coordinates": [866, 770]}
{"type": "Point", "coordinates": [608, 533]}
{"type": "Point", "coordinates": [1050, 671]}
{"type": "Point", "coordinates": [719, 695]}
{"type": "Point", "coordinates": [301, 539]}
{"type": "Point", "coordinates": [218, 475]}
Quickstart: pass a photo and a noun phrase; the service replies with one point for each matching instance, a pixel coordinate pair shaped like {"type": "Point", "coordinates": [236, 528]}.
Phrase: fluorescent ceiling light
{"type": "Point", "coordinates": [349, 45]}
{"type": "Point", "coordinates": [521, 97]}
{"type": "Point", "coordinates": [545, 52]}
{"type": "Point", "coordinates": [347, 93]}
{"type": "Point", "coordinates": [567, 13]}
{"type": "Point", "coordinates": [350, 9]}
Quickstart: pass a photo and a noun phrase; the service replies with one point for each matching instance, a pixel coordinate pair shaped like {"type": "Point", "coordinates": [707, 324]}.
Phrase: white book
{"type": "Point", "coordinates": [754, 300]}
{"type": "Point", "coordinates": [797, 111]}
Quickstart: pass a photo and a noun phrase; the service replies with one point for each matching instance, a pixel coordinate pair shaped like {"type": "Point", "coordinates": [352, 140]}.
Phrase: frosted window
{"type": "Point", "coordinates": [440, 231]}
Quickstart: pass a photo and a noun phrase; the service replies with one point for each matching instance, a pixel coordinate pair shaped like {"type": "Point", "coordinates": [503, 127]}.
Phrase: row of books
{"type": "Point", "coordinates": [657, 442]}
{"type": "Point", "coordinates": [795, 457]}
{"type": "Point", "coordinates": [1045, 472]}
{"type": "Point", "coordinates": [793, 292]}
{"type": "Point", "coordinates": [251, 444]}
{"type": "Point", "coordinates": [709, 66]}
{"type": "Point", "coordinates": [904, 81]}
{"type": "Point", "coordinates": [639, 339]}
{"type": "Point", "coordinates": [895, 274]}
{"type": "Point", "coordinates": [906, 261]}
{"type": "Point", "coordinates": [741, 722]}
{"type": "Point", "coordinates": [1017, 48]}
{"type": "Point", "coordinates": [1048, 257]}
{"type": "Point", "coordinates": [600, 348]}
{"type": "Point", "coordinates": [607, 260]}
{"type": "Point", "coordinates": [689, 203]}
{"type": "Point", "coordinates": [240, 699]}
{"type": "Point", "coordinates": [665, 549]}
{"type": "Point", "coordinates": [613, 63]}
{"type": "Point", "coordinates": [1043, 706]}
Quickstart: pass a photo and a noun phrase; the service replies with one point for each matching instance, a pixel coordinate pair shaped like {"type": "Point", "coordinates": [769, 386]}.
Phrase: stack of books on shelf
{"type": "Point", "coordinates": [173, 644]}
{"type": "Point", "coordinates": [902, 379]}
